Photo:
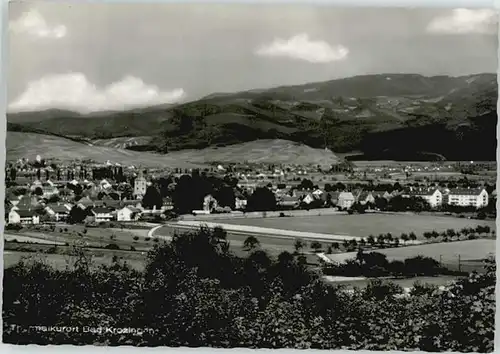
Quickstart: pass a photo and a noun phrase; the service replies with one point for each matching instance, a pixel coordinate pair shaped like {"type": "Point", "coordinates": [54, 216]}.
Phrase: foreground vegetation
{"type": "Point", "coordinates": [194, 292]}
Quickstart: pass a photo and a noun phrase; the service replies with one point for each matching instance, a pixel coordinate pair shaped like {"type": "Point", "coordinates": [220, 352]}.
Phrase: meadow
{"type": "Point", "coordinates": [363, 225]}
{"type": "Point", "coordinates": [459, 255]}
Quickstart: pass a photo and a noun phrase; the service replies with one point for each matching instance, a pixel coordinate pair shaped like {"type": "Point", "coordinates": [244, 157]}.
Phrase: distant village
{"type": "Point", "coordinates": [43, 191]}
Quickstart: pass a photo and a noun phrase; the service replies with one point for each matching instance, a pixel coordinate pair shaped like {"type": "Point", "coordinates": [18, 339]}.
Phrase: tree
{"type": "Point", "coordinates": [316, 246]}
{"type": "Point", "coordinates": [450, 233]}
{"type": "Point", "coordinates": [13, 174]}
{"type": "Point", "coordinates": [405, 238]}
{"type": "Point", "coordinates": [306, 184]}
{"type": "Point", "coordinates": [262, 199]}
{"type": "Point", "coordinates": [251, 243]}
{"type": "Point", "coordinates": [152, 198]}
{"type": "Point", "coordinates": [38, 191]}
{"type": "Point", "coordinates": [77, 215]}
{"type": "Point", "coordinates": [412, 236]}
{"type": "Point", "coordinates": [38, 174]}
{"type": "Point", "coordinates": [335, 245]}
{"type": "Point", "coordinates": [298, 245]}
{"type": "Point", "coordinates": [371, 240]}
{"type": "Point", "coordinates": [396, 241]}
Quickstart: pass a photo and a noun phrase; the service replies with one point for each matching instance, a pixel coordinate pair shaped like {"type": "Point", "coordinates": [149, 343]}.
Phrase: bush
{"type": "Point", "coordinates": [13, 227]}
{"type": "Point", "coordinates": [420, 289]}
{"type": "Point", "coordinates": [136, 238]}
{"type": "Point", "coordinates": [112, 246]}
{"type": "Point", "coordinates": [194, 292]}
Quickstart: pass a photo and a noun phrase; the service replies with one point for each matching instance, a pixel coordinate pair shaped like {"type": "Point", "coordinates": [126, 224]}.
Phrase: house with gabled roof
{"type": "Point", "coordinates": [102, 214]}
{"type": "Point", "coordinates": [24, 217]}
{"type": "Point", "coordinates": [128, 213]}
{"type": "Point", "coordinates": [85, 202]}
{"type": "Point", "coordinates": [59, 212]}
{"type": "Point", "coordinates": [346, 200]}
{"type": "Point", "coordinates": [432, 196]}
{"type": "Point", "coordinates": [365, 197]}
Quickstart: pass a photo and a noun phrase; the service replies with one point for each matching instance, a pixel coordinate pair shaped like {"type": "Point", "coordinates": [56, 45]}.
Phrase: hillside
{"type": "Point", "coordinates": [29, 145]}
{"type": "Point", "coordinates": [389, 116]}
{"type": "Point", "coordinates": [260, 151]}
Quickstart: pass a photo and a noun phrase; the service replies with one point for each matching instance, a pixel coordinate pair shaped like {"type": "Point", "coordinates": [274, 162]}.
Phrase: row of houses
{"type": "Point", "coordinates": [344, 199]}
{"type": "Point", "coordinates": [435, 197]}
{"type": "Point", "coordinates": [61, 212]}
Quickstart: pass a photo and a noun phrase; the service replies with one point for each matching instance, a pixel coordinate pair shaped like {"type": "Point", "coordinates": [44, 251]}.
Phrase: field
{"type": "Point", "coordinates": [29, 145]}
{"type": "Point", "coordinates": [467, 255]}
{"type": "Point", "coordinates": [92, 237]}
{"type": "Point", "coordinates": [363, 225]}
{"type": "Point", "coordinates": [405, 283]}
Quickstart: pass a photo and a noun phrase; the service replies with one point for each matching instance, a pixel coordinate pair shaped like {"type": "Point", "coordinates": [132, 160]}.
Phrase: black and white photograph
{"type": "Point", "coordinates": [263, 176]}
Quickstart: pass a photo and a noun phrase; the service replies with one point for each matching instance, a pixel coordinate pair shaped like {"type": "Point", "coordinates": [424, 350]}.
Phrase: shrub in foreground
{"type": "Point", "coordinates": [194, 292]}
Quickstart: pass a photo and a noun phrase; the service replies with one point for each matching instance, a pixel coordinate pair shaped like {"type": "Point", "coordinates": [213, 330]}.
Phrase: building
{"type": "Point", "coordinates": [240, 203]}
{"type": "Point", "coordinates": [49, 189]}
{"type": "Point", "coordinates": [59, 212]}
{"type": "Point", "coordinates": [330, 198]}
{"type": "Point", "coordinates": [104, 185]}
{"type": "Point", "coordinates": [432, 196]}
{"type": "Point", "coordinates": [140, 186]}
{"type": "Point", "coordinates": [128, 213]}
{"type": "Point", "coordinates": [345, 200]}
{"type": "Point", "coordinates": [308, 199]}
{"type": "Point", "coordinates": [475, 197]}
{"type": "Point", "coordinates": [24, 217]}
{"type": "Point", "coordinates": [102, 214]}
{"type": "Point", "coordinates": [287, 201]}
{"type": "Point", "coordinates": [365, 197]}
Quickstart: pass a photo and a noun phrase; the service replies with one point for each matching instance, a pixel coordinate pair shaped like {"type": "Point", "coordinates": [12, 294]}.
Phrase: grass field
{"type": "Point", "coordinates": [94, 237]}
{"type": "Point", "coordinates": [364, 225]}
{"type": "Point", "coordinates": [442, 280]}
{"type": "Point", "coordinates": [469, 254]}
{"type": "Point", "coordinates": [260, 151]}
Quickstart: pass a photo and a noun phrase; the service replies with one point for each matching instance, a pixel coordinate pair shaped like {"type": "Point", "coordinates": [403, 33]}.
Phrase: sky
{"type": "Point", "coordinates": [100, 56]}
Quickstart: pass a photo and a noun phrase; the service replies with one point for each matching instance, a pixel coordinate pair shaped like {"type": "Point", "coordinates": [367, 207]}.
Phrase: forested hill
{"type": "Point", "coordinates": [386, 116]}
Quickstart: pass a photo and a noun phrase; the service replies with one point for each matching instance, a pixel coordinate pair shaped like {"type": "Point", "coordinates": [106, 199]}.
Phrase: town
{"type": "Point", "coordinates": [41, 191]}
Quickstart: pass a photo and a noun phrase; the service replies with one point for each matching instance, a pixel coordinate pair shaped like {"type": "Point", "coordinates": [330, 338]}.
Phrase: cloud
{"type": "Point", "coordinates": [462, 21]}
{"type": "Point", "coordinates": [32, 23]}
{"type": "Point", "coordinates": [73, 91]}
{"type": "Point", "coordinates": [301, 47]}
